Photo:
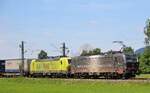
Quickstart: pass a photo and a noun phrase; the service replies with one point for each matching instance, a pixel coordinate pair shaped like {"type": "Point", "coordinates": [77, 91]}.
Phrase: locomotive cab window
{"type": "Point", "coordinates": [69, 61]}
{"type": "Point", "coordinates": [116, 60]}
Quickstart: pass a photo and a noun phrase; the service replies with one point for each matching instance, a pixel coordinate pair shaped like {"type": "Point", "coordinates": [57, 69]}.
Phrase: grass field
{"type": "Point", "coordinates": [143, 76]}
{"type": "Point", "coordinates": [22, 85]}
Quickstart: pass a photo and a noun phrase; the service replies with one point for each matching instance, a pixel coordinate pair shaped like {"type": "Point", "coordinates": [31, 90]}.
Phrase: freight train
{"type": "Point", "coordinates": [114, 65]}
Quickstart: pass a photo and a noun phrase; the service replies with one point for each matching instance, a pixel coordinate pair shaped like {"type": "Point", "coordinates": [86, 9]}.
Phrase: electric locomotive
{"type": "Point", "coordinates": [115, 65]}
{"type": "Point", "coordinates": [50, 67]}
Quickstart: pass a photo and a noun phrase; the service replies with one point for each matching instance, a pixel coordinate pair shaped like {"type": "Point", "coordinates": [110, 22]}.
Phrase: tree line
{"type": "Point", "coordinates": [144, 58]}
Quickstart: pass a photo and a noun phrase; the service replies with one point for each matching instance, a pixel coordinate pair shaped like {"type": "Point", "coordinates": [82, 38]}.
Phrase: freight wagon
{"type": "Point", "coordinates": [13, 67]}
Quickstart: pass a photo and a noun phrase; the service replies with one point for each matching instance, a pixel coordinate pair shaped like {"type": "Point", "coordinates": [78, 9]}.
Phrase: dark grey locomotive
{"type": "Point", "coordinates": [116, 65]}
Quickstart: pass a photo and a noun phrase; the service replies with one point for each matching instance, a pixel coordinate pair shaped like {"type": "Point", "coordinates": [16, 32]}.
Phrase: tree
{"type": "Point", "coordinates": [145, 61]}
{"type": "Point", "coordinates": [84, 53]}
{"type": "Point", "coordinates": [128, 50]}
{"type": "Point", "coordinates": [145, 57]}
{"type": "Point", "coordinates": [90, 53]}
{"type": "Point", "coordinates": [147, 32]}
{"type": "Point", "coordinates": [42, 55]}
{"type": "Point", "coordinates": [95, 51]}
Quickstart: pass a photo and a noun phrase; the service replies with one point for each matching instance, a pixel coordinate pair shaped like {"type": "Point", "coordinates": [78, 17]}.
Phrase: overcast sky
{"type": "Point", "coordinates": [43, 24]}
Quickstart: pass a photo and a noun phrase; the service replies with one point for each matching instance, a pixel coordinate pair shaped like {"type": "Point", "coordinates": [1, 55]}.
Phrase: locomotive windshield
{"type": "Point", "coordinates": [131, 58]}
{"type": "Point", "coordinates": [69, 61]}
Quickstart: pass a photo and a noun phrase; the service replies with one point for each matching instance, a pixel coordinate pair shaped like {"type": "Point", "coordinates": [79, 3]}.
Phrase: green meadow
{"type": "Point", "coordinates": [143, 76]}
{"type": "Point", "coordinates": [46, 85]}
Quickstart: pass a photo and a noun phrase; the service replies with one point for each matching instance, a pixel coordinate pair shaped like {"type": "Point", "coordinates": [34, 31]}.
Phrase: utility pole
{"type": "Point", "coordinates": [22, 57]}
{"type": "Point", "coordinates": [64, 48]}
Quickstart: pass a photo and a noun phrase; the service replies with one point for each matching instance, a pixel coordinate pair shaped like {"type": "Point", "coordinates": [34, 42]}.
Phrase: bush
{"type": "Point", "coordinates": [145, 61]}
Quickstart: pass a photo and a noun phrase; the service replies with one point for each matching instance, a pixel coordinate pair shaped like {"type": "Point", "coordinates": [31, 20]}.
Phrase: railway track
{"type": "Point", "coordinates": [99, 79]}
{"type": "Point", "coordinates": [136, 80]}
{"type": "Point", "coordinates": [140, 79]}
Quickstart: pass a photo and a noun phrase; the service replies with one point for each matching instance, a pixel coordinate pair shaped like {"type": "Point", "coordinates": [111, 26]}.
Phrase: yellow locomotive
{"type": "Point", "coordinates": [50, 66]}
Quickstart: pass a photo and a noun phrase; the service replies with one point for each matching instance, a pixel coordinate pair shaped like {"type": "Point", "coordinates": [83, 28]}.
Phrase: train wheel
{"type": "Point", "coordinates": [126, 76]}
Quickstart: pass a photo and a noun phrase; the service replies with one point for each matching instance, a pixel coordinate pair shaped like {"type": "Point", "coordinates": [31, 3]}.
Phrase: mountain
{"type": "Point", "coordinates": [140, 50]}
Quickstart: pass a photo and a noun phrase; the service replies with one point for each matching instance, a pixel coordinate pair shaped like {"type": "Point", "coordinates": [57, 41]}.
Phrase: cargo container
{"type": "Point", "coordinates": [2, 67]}
{"type": "Point", "coordinates": [12, 65]}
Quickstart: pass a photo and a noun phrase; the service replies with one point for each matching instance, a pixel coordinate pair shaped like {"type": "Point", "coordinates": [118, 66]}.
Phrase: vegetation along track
{"type": "Point", "coordinates": [100, 80]}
